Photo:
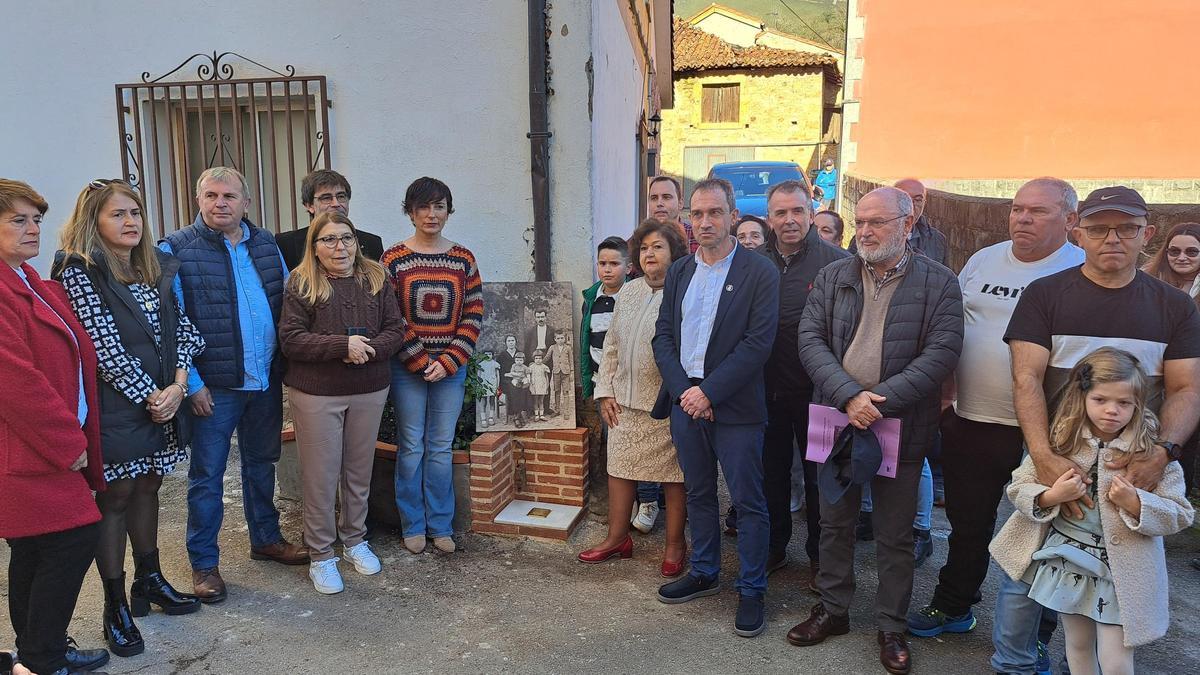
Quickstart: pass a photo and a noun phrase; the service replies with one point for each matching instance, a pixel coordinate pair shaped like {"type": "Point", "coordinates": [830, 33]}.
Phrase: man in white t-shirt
{"type": "Point", "coordinates": [982, 442]}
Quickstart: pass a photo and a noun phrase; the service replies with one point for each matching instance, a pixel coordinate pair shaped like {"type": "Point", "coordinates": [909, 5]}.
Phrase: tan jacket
{"type": "Point", "coordinates": [1135, 546]}
{"type": "Point", "coordinates": [627, 368]}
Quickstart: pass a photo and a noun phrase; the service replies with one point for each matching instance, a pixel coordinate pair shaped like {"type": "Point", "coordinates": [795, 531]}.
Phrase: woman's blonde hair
{"type": "Point", "coordinates": [1102, 366]}
{"type": "Point", "coordinates": [81, 235]}
{"type": "Point", "coordinates": [309, 281]}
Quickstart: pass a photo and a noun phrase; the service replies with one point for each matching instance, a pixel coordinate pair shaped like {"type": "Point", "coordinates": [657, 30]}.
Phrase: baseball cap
{"type": "Point", "coordinates": [1113, 198]}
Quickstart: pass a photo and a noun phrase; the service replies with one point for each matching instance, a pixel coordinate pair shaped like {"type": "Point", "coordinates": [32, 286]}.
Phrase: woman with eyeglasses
{"type": "Point", "coordinates": [120, 287]}
{"type": "Point", "coordinates": [1177, 262]}
{"type": "Point", "coordinates": [438, 287]}
{"type": "Point", "coordinates": [339, 329]}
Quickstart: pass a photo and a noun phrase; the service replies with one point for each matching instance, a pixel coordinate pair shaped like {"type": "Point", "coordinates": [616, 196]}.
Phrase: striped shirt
{"type": "Point", "coordinates": [441, 296]}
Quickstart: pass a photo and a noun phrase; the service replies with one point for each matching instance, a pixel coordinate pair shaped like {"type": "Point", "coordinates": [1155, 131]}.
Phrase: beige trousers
{"type": "Point", "coordinates": [335, 440]}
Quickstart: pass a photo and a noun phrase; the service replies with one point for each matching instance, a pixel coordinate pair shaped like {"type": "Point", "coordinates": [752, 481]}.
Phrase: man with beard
{"type": "Point", "coordinates": [879, 334]}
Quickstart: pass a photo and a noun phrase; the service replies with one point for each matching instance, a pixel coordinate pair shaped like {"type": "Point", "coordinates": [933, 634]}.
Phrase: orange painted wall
{"type": "Point", "coordinates": [1014, 88]}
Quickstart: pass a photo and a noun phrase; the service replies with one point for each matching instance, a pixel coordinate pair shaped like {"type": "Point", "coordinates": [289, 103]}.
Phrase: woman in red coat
{"type": "Point", "coordinates": [49, 445]}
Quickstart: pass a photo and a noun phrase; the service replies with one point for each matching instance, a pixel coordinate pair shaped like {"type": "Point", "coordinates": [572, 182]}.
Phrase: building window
{"type": "Point", "coordinates": [274, 130]}
{"type": "Point", "coordinates": [720, 103]}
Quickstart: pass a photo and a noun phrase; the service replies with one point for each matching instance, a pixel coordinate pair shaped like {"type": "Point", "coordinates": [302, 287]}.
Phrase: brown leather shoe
{"type": "Point", "coordinates": [281, 551]}
{"type": "Point", "coordinates": [893, 653]}
{"type": "Point", "coordinates": [209, 586]}
{"type": "Point", "coordinates": [819, 625]}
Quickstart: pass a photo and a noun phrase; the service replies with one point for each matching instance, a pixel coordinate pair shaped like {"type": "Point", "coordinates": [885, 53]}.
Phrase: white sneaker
{"type": "Point", "coordinates": [364, 559]}
{"type": "Point", "coordinates": [325, 576]}
{"type": "Point", "coordinates": [646, 515]}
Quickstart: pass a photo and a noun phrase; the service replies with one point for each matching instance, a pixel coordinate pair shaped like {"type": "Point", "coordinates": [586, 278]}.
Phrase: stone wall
{"type": "Point", "coordinates": [778, 106]}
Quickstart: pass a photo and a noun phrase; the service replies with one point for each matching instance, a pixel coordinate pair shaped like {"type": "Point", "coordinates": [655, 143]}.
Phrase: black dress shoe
{"type": "Point", "coordinates": [687, 588]}
{"type": "Point", "coordinates": [751, 619]}
{"type": "Point", "coordinates": [84, 659]}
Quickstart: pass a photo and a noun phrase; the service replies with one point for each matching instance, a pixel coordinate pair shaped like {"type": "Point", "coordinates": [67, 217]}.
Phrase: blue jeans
{"type": "Point", "coordinates": [1015, 631]}
{"type": "Point", "coordinates": [924, 518]}
{"type": "Point", "coordinates": [649, 492]}
{"type": "Point", "coordinates": [738, 447]}
{"type": "Point", "coordinates": [426, 416]}
{"type": "Point", "coordinates": [257, 416]}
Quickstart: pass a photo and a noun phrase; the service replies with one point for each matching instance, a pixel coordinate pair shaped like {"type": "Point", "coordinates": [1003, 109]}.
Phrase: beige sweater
{"type": "Point", "coordinates": [1134, 541]}
{"type": "Point", "coordinates": [627, 368]}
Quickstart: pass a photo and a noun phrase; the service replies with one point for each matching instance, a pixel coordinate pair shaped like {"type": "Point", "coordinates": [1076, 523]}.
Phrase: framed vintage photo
{"type": "Point", "coordinates": [528, 332]}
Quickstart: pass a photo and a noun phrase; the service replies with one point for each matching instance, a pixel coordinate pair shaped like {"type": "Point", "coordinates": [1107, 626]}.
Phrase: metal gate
{"type": "Point", "coordinates": [274, 130]}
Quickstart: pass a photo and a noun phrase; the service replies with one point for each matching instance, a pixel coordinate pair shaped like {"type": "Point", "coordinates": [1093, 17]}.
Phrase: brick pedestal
{"type": "Point", "coordinates": [538, 466]}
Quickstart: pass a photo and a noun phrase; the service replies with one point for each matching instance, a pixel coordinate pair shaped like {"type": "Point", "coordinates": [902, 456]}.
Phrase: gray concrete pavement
{"type": "Point", "coordinates": [506, 605]}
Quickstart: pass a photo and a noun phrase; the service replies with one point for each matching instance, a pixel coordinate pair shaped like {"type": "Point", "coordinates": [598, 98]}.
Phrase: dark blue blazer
{"type": "Point", "coordinates": [741, 341]}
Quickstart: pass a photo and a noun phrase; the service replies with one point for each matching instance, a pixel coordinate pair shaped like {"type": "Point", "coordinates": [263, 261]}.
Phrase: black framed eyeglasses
{"type": "Point", "coordinates": [1124, 230]}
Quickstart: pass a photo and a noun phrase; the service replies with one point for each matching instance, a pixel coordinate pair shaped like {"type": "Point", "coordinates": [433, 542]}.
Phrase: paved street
{"type": "Point", "coordinates": [505, 605]}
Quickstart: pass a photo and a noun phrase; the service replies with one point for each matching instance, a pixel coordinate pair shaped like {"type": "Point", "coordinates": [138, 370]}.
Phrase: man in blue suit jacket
{"type": "Point", "coordinates": [715, 331]}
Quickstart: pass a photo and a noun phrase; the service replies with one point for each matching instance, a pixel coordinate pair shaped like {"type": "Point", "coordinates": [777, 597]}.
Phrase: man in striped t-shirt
{"type": "Point", "coordinates": [1061, 318]}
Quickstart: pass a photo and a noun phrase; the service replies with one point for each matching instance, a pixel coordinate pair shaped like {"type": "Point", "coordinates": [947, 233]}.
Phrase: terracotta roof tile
{"type": "Point", "coordinates": [697, 50]}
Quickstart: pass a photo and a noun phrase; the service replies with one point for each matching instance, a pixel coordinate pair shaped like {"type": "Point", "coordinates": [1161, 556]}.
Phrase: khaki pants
{"type": "Point", "coordinates": [335, 440]}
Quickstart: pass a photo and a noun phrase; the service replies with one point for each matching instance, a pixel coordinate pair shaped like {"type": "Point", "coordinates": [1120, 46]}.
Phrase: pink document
{"type": "Point", "coordinates": [825, 424]}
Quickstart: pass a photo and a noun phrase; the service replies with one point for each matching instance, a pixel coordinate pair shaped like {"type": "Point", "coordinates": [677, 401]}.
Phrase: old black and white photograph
{"type": "Point", "coordinates": [529, 376]}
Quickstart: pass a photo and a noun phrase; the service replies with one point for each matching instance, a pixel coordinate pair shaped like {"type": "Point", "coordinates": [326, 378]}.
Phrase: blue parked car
{"type": "Point", "coordinates": [751, 180]}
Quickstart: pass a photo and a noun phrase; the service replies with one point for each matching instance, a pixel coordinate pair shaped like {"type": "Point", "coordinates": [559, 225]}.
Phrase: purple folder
{"type": "Point", "coordinates": [825, 423]}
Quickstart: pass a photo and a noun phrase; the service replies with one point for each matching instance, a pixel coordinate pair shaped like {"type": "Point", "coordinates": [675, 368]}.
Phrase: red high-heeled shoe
{"type": "Point", "coordinates": [674, 569]}
{"type": "Point", "coordinates": [599, 555]}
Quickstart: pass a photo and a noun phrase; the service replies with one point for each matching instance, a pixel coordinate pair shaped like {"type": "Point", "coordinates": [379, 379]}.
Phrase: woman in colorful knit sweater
{"type": "Point", "coordinates": [438, 287]}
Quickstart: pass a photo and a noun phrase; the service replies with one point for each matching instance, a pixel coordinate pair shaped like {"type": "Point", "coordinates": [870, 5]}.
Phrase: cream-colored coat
{"type": "Point", "coordinates": [627, 368]}
{"type": "Point", "coordinates": [1134, 541]}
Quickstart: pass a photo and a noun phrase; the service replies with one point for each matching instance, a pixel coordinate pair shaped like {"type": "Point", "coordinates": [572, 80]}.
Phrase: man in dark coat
{"type": "Point", "coordinates": [880, 333]}
{"type": "Point", "coordinates": [715, 329]}
{"type": "Point", "coordinates": [324, 191]}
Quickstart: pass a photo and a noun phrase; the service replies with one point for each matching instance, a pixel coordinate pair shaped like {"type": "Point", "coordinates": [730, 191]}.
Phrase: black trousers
{"type": "Point", "coordinates": [978, 459]}
{"type": "Point", "coordinates": [45, 573]}
{"type": "Point", "coordinates": [787, 424]}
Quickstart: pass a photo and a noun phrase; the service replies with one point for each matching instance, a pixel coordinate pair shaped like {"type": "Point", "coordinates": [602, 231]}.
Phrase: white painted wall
{"type": "Point", "coordinates": [617, 111]}
{"type": "Point", "coordinates": [734, 30]}
{"type": "Point", "coordinates": [419, 88]}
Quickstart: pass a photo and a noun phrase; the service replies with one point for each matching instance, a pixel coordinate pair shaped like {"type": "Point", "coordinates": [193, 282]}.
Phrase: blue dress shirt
{"type": "Point", "coordinates": [700, 311]}
{"type": "Point", "coordinates": [255, 321]}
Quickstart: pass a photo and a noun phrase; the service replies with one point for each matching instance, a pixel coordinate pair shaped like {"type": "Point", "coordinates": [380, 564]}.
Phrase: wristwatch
{"type": "Point", "coordinates": [1174, 450]}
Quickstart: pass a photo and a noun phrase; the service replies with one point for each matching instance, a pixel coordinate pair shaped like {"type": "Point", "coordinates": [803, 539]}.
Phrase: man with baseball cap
{"type": "Point", "coordinates": [1065, 316]}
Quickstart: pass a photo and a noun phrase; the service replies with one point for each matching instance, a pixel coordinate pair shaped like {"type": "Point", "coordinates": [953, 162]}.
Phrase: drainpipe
{"type": "Point", "coordinates": [539, 138]}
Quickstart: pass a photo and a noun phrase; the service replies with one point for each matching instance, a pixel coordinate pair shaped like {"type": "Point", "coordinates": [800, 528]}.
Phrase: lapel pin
{"type": "Point", "coordinates": [729, 288]}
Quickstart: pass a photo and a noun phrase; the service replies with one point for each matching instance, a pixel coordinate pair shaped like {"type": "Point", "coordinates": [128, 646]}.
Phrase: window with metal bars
{"type": "Point", "coordinates": [274, 130]}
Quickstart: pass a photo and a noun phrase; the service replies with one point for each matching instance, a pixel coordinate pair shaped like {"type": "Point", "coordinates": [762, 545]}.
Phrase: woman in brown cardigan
{"type": "Point", "coordinates": [339, 329]}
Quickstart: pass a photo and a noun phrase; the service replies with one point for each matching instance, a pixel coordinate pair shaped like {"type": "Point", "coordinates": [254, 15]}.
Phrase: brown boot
{"type": "Point", "coordinates": [208, 585]}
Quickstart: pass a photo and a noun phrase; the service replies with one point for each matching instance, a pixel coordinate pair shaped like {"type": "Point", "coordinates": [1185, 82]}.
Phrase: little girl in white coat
{"type": "Point", "coordinates": [1105, 574]}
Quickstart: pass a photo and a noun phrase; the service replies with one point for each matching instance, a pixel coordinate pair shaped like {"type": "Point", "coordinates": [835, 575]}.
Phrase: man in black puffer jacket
{"type": "Point", "coordinates": [879, 334]}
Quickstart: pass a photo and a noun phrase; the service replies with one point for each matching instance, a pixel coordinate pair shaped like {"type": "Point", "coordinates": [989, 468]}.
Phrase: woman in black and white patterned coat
{"type": "Point", "coordinates": [120, 287]}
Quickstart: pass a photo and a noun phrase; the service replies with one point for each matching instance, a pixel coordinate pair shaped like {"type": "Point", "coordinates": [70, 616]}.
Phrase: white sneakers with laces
{"type": "Point", "coordinates": [364, 559]}
{"type": "Point", "coordinates": [325, 576]}
{"type": "Point", "coordinates": [644, 519]}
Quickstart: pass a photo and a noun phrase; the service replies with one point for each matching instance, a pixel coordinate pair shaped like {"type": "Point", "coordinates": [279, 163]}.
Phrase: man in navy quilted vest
{"type": "Point", "coordinates": [231, 282]}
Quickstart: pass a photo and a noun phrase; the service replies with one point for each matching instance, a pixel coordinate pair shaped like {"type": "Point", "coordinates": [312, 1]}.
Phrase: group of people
{"type": "Point", "coordinates": [1011, 372]}
{"type": "Point", "coordinates": [134, 352]}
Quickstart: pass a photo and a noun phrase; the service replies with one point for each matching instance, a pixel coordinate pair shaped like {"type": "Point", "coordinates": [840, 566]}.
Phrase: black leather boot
{"type": "Point", "coordinates": [122, 635]}
{"type": "Point", "coordinates": [149, 587]}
